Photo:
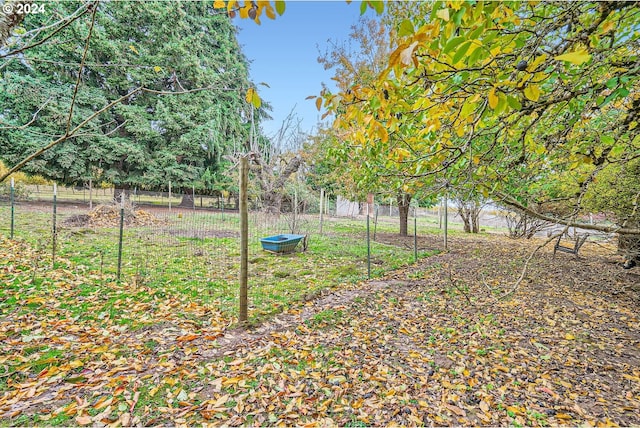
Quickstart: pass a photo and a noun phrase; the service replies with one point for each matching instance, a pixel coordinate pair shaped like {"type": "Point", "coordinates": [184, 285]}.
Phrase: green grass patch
{"type": "Point", "coordinates": [195, 256]}
{"type": "Point", "coordinates": [325, 319]}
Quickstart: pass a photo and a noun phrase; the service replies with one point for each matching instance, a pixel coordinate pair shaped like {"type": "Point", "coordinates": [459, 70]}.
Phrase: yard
{"type": "Point", "coordinates": [117, 316]}
{"type": "Point", "coordinates": [427, 343]}
{"type": "Point", "coordinates": [196, 253]}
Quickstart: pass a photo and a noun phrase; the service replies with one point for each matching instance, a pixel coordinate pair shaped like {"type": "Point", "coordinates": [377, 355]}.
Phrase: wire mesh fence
{"type": "Point", "coordinates": [174, 248]}
{"type": "Point", "coordinates": [190, 244]}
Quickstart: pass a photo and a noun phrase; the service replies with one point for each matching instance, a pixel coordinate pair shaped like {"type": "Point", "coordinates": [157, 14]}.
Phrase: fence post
{"type": "Point", "coordinates": [368, 245]}
{"type": "Point", "coordinates": [375, 222]}
{"type": "Point", "coordinates": [415, 238]}
{"type": "Point", "coordinates": [295, 210]}
{"type": "Point", "coordinates": [169, 196]}
{"type": "Point", "coordinates": [321, 209]}
{"type": "Point", "coordinates": [90, 194]}
{"type": "Point", "coordinates": [13, 184]}
{"type": "Point", "coordinates": [54, 229]}
{"type": "Point", "coordinates": [244, 238]}
{"type": "Point", "coordinates": [446, 219]}
{"type": "Point", "coordinates": [121, 230]}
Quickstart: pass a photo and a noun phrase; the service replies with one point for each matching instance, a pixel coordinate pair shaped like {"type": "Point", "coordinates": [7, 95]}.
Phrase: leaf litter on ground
{"type": "Point", "coordinates": [431, 344]}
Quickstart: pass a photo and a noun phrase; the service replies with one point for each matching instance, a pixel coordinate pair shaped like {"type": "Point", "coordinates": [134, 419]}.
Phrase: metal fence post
{"type": "Point", "coordinates": [321, 209]}
{"type": "Point", "coordinates": [54, 236]}
{"type": "Point", "coordinates": [13, 184]}
{"type": "Point", "coordinates": [121, 232]}
{"type": "Point", "coordinates": [368, 245]}
{"type": "Point", "coordinates": [375, 222]}
{"type": "Point", "coordinates": [415, 238]}
{"type": "Point", "coordinates": [244, 238]}
{"type": "Point", "coordinates": [446, 219]}
{"type": "Point", "coordinates": [295, 210]}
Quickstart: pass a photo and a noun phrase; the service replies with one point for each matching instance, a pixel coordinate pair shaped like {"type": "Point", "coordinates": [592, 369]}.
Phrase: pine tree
{"type": "Point", "coordinates": [150, 138]}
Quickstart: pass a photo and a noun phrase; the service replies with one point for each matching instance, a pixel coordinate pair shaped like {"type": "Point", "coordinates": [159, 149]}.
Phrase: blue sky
{"type": "Point", "coordinates": [283, 53]}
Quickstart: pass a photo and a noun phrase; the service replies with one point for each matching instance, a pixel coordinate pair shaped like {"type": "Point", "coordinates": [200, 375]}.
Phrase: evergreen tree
{"type": "Point", "coordinates": [150, 138]}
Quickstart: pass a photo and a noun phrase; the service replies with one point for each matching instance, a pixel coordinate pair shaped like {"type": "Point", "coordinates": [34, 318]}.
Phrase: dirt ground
{"type": "Point", "coordinates": [564, 341]}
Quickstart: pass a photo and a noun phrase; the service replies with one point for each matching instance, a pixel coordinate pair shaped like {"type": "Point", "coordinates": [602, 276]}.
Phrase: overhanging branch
{"type": "Point", "coordinates": [508, 200]}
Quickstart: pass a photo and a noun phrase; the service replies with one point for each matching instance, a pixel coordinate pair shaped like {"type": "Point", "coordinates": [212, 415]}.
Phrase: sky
{"type": "Point", "coordinates": [283, 54]}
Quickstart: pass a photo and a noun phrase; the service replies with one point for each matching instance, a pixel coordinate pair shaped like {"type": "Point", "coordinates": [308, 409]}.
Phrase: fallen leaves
{"type": "Point", "coordinates": [53, 347]}
{"type": "Point", "coordinates": [109, 215]}
{"type": "Point", "coordinates": [414, 352]}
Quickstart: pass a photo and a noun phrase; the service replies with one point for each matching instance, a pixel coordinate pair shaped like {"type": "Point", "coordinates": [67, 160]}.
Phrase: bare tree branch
{"type": "Point", "coordinates": [33, 117]}
{"type": "Point", "coordinates": [525, 268]}
{"type": "Point", "coordinates": [62, 24]}
{"type": "Point", "coordinates": [11, 15]}
{"type": "Point", "coordinates": [67, 135]}
{"type": "Point", "coordinates": [508, 200]}
{"type": "Point", "coordinates": [84, 57]}
{"type": "Point", "coordinates": [75, 130]}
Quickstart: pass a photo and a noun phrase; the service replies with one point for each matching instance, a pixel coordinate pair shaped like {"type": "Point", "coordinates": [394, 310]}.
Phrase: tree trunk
{"type": "Point", "coordinates": [469, 212]}
{"type": "Point", "coordinates": [118, 190]}
{"type": "Point", "coordinates": [272, 202]}
{"type": "Point", "coordinates": [187, 198]}
{"type": "Point", "coordinates": [476, 223]}
{"type": "Point", "coordinates": [403, 208]}
{"type": "Point", "coordinates": [629, 245]}
{"type": "Point", "coordinates": [465, 216]}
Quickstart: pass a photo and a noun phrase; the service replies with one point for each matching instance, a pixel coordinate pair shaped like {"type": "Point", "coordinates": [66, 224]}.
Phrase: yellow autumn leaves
{"type": "Point", "coordinates": [252, 9]}
{"type": "Point", "coordinates": [576, 57]}
{"type": "Point", "coordinates": [252, 98]}
{"type": "Point", "coordinates": [532, 91]}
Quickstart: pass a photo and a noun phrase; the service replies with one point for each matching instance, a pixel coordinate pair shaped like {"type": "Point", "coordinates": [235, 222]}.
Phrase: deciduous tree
{"type": "Point", "coordinates": [528, 100]}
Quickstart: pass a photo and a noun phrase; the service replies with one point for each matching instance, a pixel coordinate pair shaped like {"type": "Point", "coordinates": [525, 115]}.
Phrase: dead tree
{"type": "Point", "coordinates": [275, 160]}
{"type": "Point", "coordinates": [271, 180]}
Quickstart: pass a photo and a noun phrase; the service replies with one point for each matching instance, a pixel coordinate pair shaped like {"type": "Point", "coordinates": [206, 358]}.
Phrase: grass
{"type": "Point", "coordinates": [196, 255]}
{"type": "Point", "coordinates": [325, 319]}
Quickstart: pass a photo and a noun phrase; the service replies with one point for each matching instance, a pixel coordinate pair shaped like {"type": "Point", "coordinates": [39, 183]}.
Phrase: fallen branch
{"type": "Point", "coordinates": [525, 268]}
{"type": "Point", "coordinates": [455, 284]}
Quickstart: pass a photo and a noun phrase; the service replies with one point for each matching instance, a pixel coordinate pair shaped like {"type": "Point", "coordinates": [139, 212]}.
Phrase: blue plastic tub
{"type": "Point", "coordinates": [281, 243]}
